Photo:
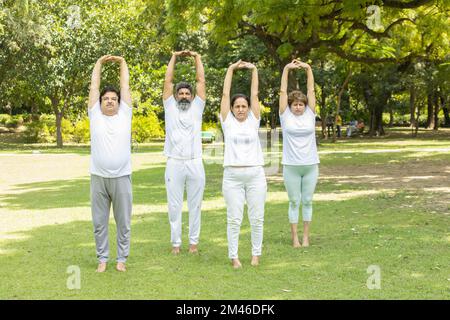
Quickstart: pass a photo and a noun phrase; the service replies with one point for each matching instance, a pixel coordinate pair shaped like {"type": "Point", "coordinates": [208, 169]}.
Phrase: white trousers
{"type": "Point", "coordinates": [181, 173]}
{"type": "Point", "coordinates": [240, 185]}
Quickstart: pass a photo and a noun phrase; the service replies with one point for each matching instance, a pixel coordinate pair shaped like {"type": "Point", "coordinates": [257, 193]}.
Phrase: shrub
{"type": "Point", "coordinates": [147, 127]}
{"type": "Point", "coordinates": [12, 123]}
{"type": "Point", "coordinates": [210, 126]}
{"type": "Point", "coordinates": [41, 131]}
{"type": "Point", "coordinates": [66, 130]}
{"type": "Point", "coordinates": [38, 132]}
{"type": "Point", "coordinates": [4, 117]}
{"type": "Point", "coordinates": [81, 131]}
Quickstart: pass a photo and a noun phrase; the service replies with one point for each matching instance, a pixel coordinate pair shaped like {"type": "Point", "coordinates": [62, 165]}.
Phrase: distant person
{"type": "Point", "coordinates": [330, 125]}
{"type": "Point", "coordinates": [352, 127]}
{"type": "Point", "coordinates": [244, 180]}
{"type": "Point", "coordinates": [183, 148]}
{"type": "Point", "coordinates": [110, 115]}
{"type": "Point", "coordinates": [360, 126]}
{"type": "Point", "coordinates": [338, 125]}
{"type": "Point", "coordinates": [300, 158]}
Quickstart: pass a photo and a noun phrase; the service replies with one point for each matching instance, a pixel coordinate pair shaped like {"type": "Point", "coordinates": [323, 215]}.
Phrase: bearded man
{"type": "Point", "coordinates": [183, 149]}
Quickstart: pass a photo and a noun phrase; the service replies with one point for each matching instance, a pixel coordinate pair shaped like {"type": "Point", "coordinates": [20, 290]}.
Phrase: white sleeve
{"type": "Point", "coordinates": [283, 115]}
{"type": "Point", "coordinates": [255, 122]}
{"type": "Point", "coordinates": [199, 105]}
{"type": "Point", "coordinates": [228, 120]}
{"type": "Point", "coordinates": [169, 102]}
{"type": "Point", "coordinates": [94, 110]}
{"type": "Point", "coordinates": [125, 108]}
{"type": "Point", "coordinates": [312, 114]}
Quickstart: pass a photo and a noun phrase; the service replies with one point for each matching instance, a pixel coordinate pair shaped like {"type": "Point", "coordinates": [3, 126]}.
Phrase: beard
{"type": "Point", "coordinates": [183, 104]}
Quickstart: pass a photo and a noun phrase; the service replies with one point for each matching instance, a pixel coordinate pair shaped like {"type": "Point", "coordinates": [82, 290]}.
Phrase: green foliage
{"type": "Point", "coordinates": [41, 131]}
{"type": "Point", "coordinates": [210, 126]}
{"type": "Point", "coordinates": [145, 128]}
{"type": "Point", "coordinates": [81, 131]}
{"type": "Point", "coordinates": [67, 129]}
{"type": "Point", "coordinates": [4, 118]}
{"type": "Point", "coordinates": [46, 61]}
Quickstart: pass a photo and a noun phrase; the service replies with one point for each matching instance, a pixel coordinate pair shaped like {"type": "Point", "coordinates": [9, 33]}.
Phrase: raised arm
{"type": "Point", "coordinates": [310, 85]}
{"type": "Point", "coordinates": [283, 102]}
{"type": "Point", "coordinates": [254, 100]}
{"type": "Point", "coordinates": [225, 102]}
{"type": "Point", "coordinates": [200, 75]}
{"type": "Point", "coordinates": [94, 92]}
{"type": "Point", "coordinates": [168, 80]}
{"type": "Point", "coordinates": [125, 93]}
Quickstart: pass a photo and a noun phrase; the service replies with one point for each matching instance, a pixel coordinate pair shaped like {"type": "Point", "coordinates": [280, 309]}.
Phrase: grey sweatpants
{"type": "Point", "coordinates": [117, 191]}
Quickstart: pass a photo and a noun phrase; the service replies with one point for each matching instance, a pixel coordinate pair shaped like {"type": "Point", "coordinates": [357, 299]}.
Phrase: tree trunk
{"type": "Point", "coordinates": [436, 110]}
{"type": "Point", "coordinates": [391, 117]}
{"type": "Point", "coordinates": [323, 112]}
{"type": "Point", "coordinates": [59, 115]}
{"type": "Point", "coordinates": [444, 110]}
{"type": "Point", "coordinates": [34, 110]}
{"type": "Point", "coordinates": [430, 117]}
{"type": "Point", "coordinates": [412, 106]}
{"type": "Point", "coordinates": [419, 106]}
{"type": "Point", "coordinates": [338, 104]}
{"type": "Point", "coordinates": [273, 117]}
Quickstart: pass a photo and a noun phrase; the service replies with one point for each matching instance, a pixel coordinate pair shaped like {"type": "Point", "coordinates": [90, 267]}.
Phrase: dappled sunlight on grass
{"type": "Point", "coordinates": [281, 196]}
{"type": "Point", "coordinates": [382, 208]}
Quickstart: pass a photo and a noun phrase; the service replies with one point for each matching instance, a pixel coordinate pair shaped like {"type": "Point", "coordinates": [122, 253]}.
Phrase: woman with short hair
{"type": "Point", "coordinates": [300, 158]}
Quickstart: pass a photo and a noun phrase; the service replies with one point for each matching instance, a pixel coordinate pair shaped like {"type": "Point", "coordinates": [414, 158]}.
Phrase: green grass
{"type": "Point", "coordinates": [396, 227]}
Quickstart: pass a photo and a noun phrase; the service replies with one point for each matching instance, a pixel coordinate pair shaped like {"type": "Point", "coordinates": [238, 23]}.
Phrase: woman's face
{"type": "Point", "coordinates": [240, 109]}
{"type": "Point", "coordinates": [298, 107]}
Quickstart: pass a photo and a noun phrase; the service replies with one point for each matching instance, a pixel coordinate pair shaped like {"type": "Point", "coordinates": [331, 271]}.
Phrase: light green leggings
{"type": "Point", "coordinates": [300, 182]}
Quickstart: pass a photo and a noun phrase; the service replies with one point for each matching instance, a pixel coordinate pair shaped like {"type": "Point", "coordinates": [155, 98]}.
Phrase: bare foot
{"type": "Point", "coordinates": [101, 267]}
{"type": "Point", "coordinates": [305, 242]}
{"type": "Point", "coordinates": [121, 267]}
{"type": "Point", "coordinates": [236, 263]}
{"type": "Point", "coordinates": [255, 261]}
{"type": "Point", "coordinates": [176, 250]}
{"type": "Point", "coordinates": [193, 248]}
{"type": "Point", "coordinates": [296, 243]}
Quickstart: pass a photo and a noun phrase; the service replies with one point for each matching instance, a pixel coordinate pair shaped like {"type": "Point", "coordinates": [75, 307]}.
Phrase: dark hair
{"type": "Point", "coordinates": [297, 95]}
{"type": "Point", "coordinates": [183, 85]}
{"type": "Point", "coordinates": [237, 96]}
{"type": "Point", "coordinates": [107, 89]}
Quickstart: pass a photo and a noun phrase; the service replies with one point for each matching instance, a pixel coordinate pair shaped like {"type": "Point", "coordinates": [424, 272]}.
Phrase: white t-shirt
{"type": "Point", "coordinates": [110, 141]}
{"type": "Point", "coordinates": [183, 129]}
{"type": "Point", "coordinates": [242, 145]}
{"type": "Point", "coordinates": [299, 138]}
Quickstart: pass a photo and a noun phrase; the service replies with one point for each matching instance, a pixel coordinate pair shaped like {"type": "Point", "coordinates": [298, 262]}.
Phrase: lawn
{"type": "Point", "coordinates": [379, 202]}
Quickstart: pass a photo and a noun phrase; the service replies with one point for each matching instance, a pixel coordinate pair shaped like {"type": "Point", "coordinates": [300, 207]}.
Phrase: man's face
{"type": "Point", "coordinates": [184, 98]}
{"type": "Point", "coordinates": [110, 103]}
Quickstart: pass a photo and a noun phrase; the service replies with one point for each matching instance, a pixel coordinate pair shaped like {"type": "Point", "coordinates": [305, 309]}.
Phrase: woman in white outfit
{"type": "Point", "coordinates": [300, 158]}
{"type": "Point", "coordinates": [243, 178]}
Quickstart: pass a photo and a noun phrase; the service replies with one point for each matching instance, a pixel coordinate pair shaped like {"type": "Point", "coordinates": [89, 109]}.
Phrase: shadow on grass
{"type": "Point", "coordinates": [148, 188]}
{"type": "Point", "coordinates": [345, 240]}
{"type": "Point", "coordinates": [36, 266]}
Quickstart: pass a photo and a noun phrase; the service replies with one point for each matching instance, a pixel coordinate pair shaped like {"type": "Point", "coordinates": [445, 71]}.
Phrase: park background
{"type": "Point", "coordinates": [383, 195]}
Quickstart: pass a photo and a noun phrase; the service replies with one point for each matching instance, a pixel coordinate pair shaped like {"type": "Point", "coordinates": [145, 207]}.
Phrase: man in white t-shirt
{"type": "Point", "coordinates": [110, 126]}
{"type": "Point", "coordinates": [183, 149]}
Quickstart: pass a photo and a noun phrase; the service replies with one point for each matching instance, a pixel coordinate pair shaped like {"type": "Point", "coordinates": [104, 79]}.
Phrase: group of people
{"type": "Point", "coordinates": [353, 127]}
{"type": "Point", "coordinates": [244, 179]}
